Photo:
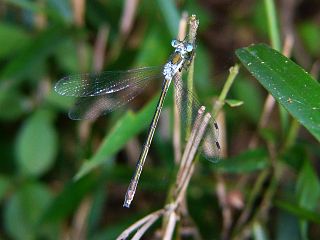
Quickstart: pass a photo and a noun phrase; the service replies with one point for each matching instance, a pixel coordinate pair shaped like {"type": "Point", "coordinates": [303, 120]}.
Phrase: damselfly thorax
{"type": "Point", "coordinates": [180, 58]}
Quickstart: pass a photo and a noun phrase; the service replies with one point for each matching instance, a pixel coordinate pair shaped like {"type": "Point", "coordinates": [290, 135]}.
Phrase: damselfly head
{"type": "Point", "coordinates": [189, 47]}
{"type": "Point", "coordinates": [182, 47]}
{"type": "Point", "coordinates": [175, 43]}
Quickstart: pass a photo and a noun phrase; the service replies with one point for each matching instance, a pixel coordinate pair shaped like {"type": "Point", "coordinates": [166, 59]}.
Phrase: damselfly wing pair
{"type": "Point", "coordinates": [100, 93]}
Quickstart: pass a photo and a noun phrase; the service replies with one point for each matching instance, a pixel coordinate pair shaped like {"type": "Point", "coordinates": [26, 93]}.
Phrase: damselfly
{"type": "Point", "coordinates": [100, 93]}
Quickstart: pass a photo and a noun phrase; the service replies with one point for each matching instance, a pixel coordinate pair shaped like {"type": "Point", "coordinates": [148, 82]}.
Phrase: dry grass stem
{"type": "Point", "coordinates": [183, 162]}
{"type": "Point", "coordinates": [177, 78]}
{"type": "Point", "coordinates": [145, 227]}
{"type": "Point", "coordinates": [187, 170]}
{"type": "Point", "coordinates": [100, 48]}
{"type": "Point", "coordinates": [79, 225]}
{"type": "Point", "coordinates": [150, 217]}
{"type": "Point", "coordinates": [171, 209]}
{"type": "Point", "coordinates": [127, 17]}
{"type": "Point", "coordinates": [169, 230]}
{"type": "Point", "coordinates": [78, 12]}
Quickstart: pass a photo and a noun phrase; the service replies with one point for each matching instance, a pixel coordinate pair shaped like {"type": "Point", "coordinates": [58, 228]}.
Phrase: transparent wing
{"type": "Point", "coordinates": [188, 106]}
{"type": "Point", "coordinates": [95, 106]}
{"type": "Point", "coordinates": [100, 93]}
{"type": "Point", "coordinates": [97, 84]}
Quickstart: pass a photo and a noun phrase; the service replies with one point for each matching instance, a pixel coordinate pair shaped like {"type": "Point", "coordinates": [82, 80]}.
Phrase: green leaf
{"type": "Point", "coordinates": [4, 185]}
{"type": "Point", "coordinates": [14, 103]}
{"type": "Point", "coordinates": [294, 156]}
{"type": "Point", "coordinates": [288, 83]}
{"type": "Point", "coordinates": [171, 15]}
{"type": "Point", "coordinates": [287, 226]}
{"type": "Point", "coordinates": [307, 192]}
{"type": "Point", "coordinates": [33, 54]}
{"type": "Point", "coordinates": [36, 144]}
{"type": "Point", "coordinates": [15, 39]}
{"type": "Point", "coordinates": [152, 54]}
{"type": "Point", "coordinates": [56, 9]}
{"type": "Point", "coordinates": [252, 102]}
{"type": "Point", "coordinates": [202, 71]}
{"type": "Point", "coordinates": [26, 5]}
{"type": "Point", "coordinates": [56, 100]}
{"type": "Point", "coordinates": [128, 126]}
{"type": "Point", "coordinates": [23, 211]}
{"type": "Point", "coordinates": [298, 211]}
{"type": "Point", "coordinates": [234, 102]}
{"type": "Point", "coordinates": [308, 187]}
{"type": "Point", "coordinates": [70, 197]}
{"type": "Point", "coordinates": [310, 34]}
{"type": "Point", "coordinates": [249, 161]}
{"type": "Point", "coordinates": [61, 8]}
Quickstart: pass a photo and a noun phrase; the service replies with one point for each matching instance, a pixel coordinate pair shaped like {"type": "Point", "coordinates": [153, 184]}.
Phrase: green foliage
{"type": "Point", "coordinates": [127, 127]}
{"type": "Point", "coordinates": [170, 15]}
{"type": "Point", "coordinates": [252, 102]}
{"type": "Point", "coordinates": [36, 144]}
{"type": "Point", "coordinates": [288, 83]}
{"type": "Point", "coordinates": [246, 162]}
{"type": "Point", "coordinates": [15, 39]}
{"type": "Point", "coordinates": [310, 33]}
{"type": "Point", "coordinates": [24, 209]}
{"type": "Point", "coordinates": [33, 55]}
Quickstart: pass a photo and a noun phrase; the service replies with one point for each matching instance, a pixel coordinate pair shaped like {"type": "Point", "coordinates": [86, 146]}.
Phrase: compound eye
{"type": "Point", "coordinates": [189, 47]}
{"type": "Point", "coordinates": [174, 43]}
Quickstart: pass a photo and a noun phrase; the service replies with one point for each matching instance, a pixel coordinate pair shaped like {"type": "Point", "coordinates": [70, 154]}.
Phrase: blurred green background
{"type": "Point", "coordinates": [42, 151]}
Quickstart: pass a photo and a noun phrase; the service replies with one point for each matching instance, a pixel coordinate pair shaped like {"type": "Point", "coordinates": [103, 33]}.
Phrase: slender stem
{"type": "Point", "coordinates": [292, 134]}
{"type": "Point", "coordinates": [256, 190]}
{"type": "Point", "coordinates": [273, 24]}
{"type": "Point", "coordinates": [190, 89]}
{"type": "Point", "coordinates": [183, 163]}
{"type": "Point", "coordinates": [176, 119]}
{"type": "Point", "coordinates": [274, 35]}
{"type": "Point", "coordinates": [193, 23]}
{"type": "Point", "coordinates": [141, 222]}
{"type": "Point", "coordinates": [233, 72]}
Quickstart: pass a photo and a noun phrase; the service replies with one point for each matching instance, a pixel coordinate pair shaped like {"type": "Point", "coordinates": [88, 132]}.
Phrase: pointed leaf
{"type": "Point", "coordinates": [36, 144]}
{"type": "Point", "coordinates": [234, 102]}
{"type": "Point", "coordinates": [288, 83]}
{"type": "Point", "coordinates": [128, 126]}
{"type": "Point", "coordinates": [23, 211]}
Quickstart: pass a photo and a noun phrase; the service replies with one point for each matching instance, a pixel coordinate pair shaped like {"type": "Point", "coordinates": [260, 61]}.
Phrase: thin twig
{"type": "Point", "coordinates": [79, 224]}
{"type": "Point", "coordinates": [190, 150]}
{"type": "Point", "coordinates": [183, 182]}
{"type": "Point", "coordinates": [127, 18]}
{"type": "Point", "coordinates": [177, 78]}
{"type": "Point", "coordinates": [183, 162]}
{"type": "Point", "coordinates": [139, 223]}
{"type": "Point", "coordinates": [218, 114]}
{"type": "Point", "coordinates": [233, 72]}
{"type": "Point", "coordinates": [78, 12]}
{"type": "Point", "coordinates": [194, 24]}
{"type": "Point", "coordinates": [145, 227]}
{"type": "Point", "coordinates": [168, 233]}
{"type": "Point", "coordinates": [100, 47]}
